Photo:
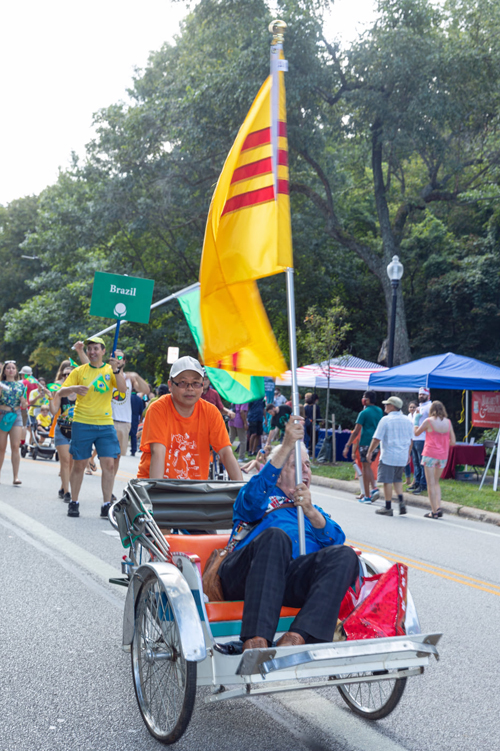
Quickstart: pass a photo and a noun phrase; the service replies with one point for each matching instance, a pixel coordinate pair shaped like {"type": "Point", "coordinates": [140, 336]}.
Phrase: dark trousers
{"type": "Point", "coordinates": [418, 467]}
{"type": "Point", "coordinates": [264, 575]}
{"type": "Point", "coordinates": [133, 434]}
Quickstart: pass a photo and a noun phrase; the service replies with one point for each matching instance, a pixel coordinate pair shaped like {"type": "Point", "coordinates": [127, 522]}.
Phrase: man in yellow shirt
{"type": "Point", "coordinates": [93, 383]}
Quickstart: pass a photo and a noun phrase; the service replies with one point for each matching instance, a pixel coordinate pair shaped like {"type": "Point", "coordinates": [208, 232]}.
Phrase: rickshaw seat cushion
{"type": "Point", "coordinates": [203, 546]}
{"type": "Point", "coordinates": [233, 611]}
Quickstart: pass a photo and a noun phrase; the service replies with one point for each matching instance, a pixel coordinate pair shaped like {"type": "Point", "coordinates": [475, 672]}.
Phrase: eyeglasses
{"type": "Point", "coordinates": [120, 357]}
{"type": "Point", "coordinates": [184, 385]}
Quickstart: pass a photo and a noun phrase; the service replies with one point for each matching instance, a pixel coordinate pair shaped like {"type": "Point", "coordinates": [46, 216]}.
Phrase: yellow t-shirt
{"type": "Point", "coordinates": [44, 420]}
{"type": "Point", "coordinates": [95, 407]}
{"type": "Point", "coordinates": [40, 401]}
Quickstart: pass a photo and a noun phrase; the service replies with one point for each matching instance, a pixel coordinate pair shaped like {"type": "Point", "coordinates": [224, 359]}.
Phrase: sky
{"type": "Point", "coordinates": [62, 60]}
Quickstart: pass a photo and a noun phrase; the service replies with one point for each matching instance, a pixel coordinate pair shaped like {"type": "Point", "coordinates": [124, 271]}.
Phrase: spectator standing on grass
{"type": "Point", "coordinates": [420, 415]}
{"type": "Point", "coordinates": [238, 427]}
{"type": "Point", "coordinates": [439, 436]}
{"type": "Point", "coordinates": [395, 433]}
{"type": "Point", "coordinates": [366, 424]}
{"type": "Point", "coordinates": [411, 410]}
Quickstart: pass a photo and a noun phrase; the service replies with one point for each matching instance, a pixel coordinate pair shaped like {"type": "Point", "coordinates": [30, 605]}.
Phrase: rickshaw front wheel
{"type": "Point", "coordinates": [164, 682]}
{"type": "Point", "coordinates": [373, 700]}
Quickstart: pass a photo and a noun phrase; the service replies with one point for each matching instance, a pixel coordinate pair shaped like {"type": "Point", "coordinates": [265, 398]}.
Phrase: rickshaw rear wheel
{"type": "Point", "coordinates": [373, 700]}
{"type": "Point", "coordinates": [164, 682]}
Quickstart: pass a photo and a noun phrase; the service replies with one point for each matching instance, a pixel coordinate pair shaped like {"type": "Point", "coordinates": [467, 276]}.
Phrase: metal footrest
{"type": "Point", "coordinates": [264, 661]}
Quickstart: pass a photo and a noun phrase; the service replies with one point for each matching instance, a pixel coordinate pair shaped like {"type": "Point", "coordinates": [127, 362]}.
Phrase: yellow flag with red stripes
{"type": "Point", "coordinates": [248, 236]}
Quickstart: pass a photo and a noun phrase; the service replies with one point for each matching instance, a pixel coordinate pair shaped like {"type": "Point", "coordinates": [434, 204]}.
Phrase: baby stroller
{"type": "Point", "coordinates": [42, 445]}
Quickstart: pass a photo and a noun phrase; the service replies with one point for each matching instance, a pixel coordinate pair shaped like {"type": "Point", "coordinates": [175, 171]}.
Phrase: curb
{"type": "Point", "coordinates": [466, 512]}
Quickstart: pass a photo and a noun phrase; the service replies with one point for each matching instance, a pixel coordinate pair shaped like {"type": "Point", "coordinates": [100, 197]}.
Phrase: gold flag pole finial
{"type": "Point", "coordinates": [277, 28]}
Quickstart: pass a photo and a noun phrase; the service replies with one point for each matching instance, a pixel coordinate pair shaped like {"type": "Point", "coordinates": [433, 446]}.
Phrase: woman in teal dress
{"type": "Point", "coordinates": [12, 398]}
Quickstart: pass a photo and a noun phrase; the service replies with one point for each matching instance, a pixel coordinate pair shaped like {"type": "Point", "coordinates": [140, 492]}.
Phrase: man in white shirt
{"type": "Point", "coordinates": [395, 434]}
{"type": "Point", "coordinates": [121, 405]}
{"type": "Point", "coordinates": [279, 399]}
{"type": "Point", "coordinates": [420, 414]}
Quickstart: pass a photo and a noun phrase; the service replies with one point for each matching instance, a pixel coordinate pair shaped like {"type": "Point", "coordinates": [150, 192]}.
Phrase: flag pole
{"type": "Point", "coordinates": [277, 28]}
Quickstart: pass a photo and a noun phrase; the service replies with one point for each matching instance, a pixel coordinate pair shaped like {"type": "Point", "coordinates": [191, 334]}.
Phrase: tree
{"type": "Point", "coordinates": [416, 100]}
{"type": "Point", "coordinates": [323, 338]}
{"type": "Point", "coordinates": [17, 221]}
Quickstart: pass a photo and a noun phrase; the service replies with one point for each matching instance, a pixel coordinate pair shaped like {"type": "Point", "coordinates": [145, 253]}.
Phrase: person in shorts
{"type": "Point", "coordinates": [366, 424]}
{"type": "Point", "coordinates": [92, 425]}
{"type": "Point", "coordinates": [395, 434]}
{"type": "Point", "coordinates": [279, 419]}
{"type": "Point", "coordinates": [63, 410]}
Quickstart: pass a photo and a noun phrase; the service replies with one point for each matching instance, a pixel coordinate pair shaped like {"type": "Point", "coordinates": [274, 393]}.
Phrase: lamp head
{"type": "Point", "coordinates": [395, 269]}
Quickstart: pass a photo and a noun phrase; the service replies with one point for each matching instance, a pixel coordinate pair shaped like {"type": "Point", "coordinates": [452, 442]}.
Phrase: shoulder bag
{"type": "Point", "coordinates": [8, 419]}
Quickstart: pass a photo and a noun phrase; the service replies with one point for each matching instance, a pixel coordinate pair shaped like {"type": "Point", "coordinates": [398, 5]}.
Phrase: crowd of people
{"type": "Point", "coordinates": [419, 440]}
{"type": "Point", "coordinates": [100, 409]}
{"type": "Point", "coordinates": [97, 407]}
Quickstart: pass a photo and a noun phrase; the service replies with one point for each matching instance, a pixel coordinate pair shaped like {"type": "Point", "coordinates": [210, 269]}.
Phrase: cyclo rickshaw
{"type": "Point", "coordinates": [178, 640]}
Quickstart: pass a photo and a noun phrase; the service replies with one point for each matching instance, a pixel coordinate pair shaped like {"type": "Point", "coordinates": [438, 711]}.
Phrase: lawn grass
{"type": "Point", "coordinates": [462, 493]}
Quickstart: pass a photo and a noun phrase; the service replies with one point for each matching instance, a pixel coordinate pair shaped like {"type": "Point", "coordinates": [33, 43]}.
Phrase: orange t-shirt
{"type": "Point", "coordinates": [187, 439]}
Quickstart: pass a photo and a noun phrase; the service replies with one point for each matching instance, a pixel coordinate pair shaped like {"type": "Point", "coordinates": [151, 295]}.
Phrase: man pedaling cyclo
{"type": "Point", "coordinates": [180, 428]}
{"type": "Point", "coordinates": [265, 568]}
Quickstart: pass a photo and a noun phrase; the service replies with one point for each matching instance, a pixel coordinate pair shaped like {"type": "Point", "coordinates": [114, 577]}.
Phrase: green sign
{"type": "Point", "coordinates": [127, 298]}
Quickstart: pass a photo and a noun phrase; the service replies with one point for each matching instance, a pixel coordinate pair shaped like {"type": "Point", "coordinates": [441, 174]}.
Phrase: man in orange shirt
{"type": "Point", "coordinates": [180, 428]}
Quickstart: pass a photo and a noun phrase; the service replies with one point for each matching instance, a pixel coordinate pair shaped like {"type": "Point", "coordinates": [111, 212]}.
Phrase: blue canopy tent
{"type": "Point", "coordinates": [447, 371]}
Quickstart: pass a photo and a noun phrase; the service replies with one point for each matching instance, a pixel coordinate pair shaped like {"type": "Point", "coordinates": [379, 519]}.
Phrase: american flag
{"type": "Point", "coordinates": [351, 373]}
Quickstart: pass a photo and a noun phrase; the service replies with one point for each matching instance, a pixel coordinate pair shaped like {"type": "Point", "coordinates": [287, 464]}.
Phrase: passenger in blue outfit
{"type": "Point", "coordinates": [265, 569]}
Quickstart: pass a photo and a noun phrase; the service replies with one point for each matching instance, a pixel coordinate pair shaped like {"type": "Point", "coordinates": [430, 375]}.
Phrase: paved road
{"type": "Point", "coordinates": [66, 683]}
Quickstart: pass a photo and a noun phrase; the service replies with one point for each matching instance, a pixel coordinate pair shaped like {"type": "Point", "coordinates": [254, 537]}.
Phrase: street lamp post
{"type": "Point", "coordinates": [394, 272]}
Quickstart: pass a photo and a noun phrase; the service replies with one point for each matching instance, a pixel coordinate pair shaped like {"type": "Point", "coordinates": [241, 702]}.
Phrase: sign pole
{"type": "Point", "coordinates": [115, 343]}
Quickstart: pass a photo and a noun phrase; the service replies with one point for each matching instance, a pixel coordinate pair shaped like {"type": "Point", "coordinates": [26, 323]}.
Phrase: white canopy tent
{"type": "Point", "coordinates": [350, 373]}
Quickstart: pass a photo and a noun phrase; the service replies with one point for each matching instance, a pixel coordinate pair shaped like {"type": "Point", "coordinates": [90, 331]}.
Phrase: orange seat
{"type": "Point", "coordinates": [233, 611]}
{"type": "Point", "coordinates": [203, 545]}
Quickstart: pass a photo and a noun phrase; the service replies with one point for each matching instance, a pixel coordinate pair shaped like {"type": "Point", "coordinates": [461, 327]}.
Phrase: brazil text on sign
{"type": "Point", "coordinates": [127, 298]}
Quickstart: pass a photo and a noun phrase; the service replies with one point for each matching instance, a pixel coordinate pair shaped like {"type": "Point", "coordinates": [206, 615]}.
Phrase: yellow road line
{"type": "Point", "coordinates": [443, 573]}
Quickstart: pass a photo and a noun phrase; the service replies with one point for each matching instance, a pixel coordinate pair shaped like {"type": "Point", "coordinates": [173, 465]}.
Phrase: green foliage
{"type": "Point", "coordinates": [324, 334]}
{"type": "Point", "coordinates": [394, 147]}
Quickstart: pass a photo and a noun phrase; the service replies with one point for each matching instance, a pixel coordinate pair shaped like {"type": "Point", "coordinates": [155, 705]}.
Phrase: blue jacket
{"type": "Point", "coordinates": [260, 494]}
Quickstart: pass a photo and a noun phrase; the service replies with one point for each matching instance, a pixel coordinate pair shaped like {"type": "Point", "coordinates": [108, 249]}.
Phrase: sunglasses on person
{"type": "Point", "coordinates": [7, 362]}
{"type": "Point", "coordinates": [183, 385]}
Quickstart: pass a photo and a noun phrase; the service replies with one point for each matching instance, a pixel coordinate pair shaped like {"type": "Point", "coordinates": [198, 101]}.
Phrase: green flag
{"type": "Point", "coordinates": [235, 387]}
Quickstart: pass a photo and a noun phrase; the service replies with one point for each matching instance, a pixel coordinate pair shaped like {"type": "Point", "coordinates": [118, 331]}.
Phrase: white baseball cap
{"type": "Point", "coordinates": [186, 363]}
{"type": "Point", "coordinates": [26, 370]}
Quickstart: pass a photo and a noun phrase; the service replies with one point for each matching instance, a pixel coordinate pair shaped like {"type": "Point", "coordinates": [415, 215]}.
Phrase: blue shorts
{"type": "Point", "coordinates": [59, 438]}
{"type": "Point", "coordinates": [84, 436]}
